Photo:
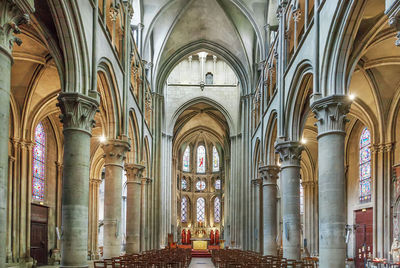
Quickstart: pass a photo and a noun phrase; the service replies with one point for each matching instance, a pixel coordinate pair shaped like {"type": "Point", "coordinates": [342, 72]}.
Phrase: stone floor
{"type": "Point", "coordinates": [201, 262]}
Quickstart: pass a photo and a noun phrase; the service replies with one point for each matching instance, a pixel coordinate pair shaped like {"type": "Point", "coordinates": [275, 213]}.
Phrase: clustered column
{"type": "Point", "coordinates": [269, 177]}
{"type": "Point", "coordinates": [290, 155]}
{"type": "Point", "coordinates": [133, 200]}
{"type": "Point", "coordinates": [114, 156]}
{"type": "Point", "coordinates": [78, 113]}
{"type": "Point", "coordinates": [330, 113]}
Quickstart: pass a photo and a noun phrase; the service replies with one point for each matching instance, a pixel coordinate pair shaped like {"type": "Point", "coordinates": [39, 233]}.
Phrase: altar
{"type": "Point", "coordinates": [200, 243]}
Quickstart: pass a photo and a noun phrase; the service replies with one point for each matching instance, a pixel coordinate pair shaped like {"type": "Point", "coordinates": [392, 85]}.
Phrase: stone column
{"type": "Point", "coordinates": [269, 176]}
{"type": "Point", "coordinates": [330, 113]}
{"type": "Point", "coordinates": [143, 205]}
{"type": "Point", "coordinates": [78, 113]}
{"type": "Point", "coordinates": [10, 18]}
{"type": "Point", "coordinates": [114, 156]}
{"type": "Point", "coordinates": [133, 189]}
{"type": "Point", "coordinates": [290, 155]}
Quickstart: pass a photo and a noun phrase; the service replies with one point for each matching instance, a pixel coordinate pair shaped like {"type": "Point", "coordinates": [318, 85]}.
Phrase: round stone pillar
{"type": "Point", "coordinates": [269, 176]}
{"type": "Point", "coordinates": [77, 116]}
{"type": "Point", "coordinates": [133, 205]}
{"type": "Point", "coordinates": [290, 155]}
{"type": "Point", "coordinates": [330, 113]}
{"type": "Point", "coordinates": [114, 156]}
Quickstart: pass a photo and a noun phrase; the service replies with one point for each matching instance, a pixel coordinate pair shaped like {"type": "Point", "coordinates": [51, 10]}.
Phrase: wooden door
{"type": "Point", "coordinates": [39, 234]}
{"type": "Point", "coordinates": [364, 236]}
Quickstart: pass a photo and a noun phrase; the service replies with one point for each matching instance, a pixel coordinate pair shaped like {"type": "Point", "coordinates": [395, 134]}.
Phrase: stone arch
{"type": "Point", "coordinates": [133, 132]}
{"type": "Point", "coordinates": [270, 138]}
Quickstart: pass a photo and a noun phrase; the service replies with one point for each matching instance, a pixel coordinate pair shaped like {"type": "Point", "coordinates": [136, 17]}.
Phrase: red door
{"type": "Point", "coordinates": [364, 236]}
{"type": "Point", "coordinates": [39, 234]}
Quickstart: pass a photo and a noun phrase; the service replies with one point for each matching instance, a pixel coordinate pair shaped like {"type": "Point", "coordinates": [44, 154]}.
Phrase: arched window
{"type": "Point", "coordinates": [184, 184]}
{"type": "Point", "coordinates": [301, 198]}
{"type": "Point", "coordinates": [201, 212]}
{"type": "Point", "coordinates": [365, 166]}
{"type": "Point", "coordinates": [215, 159]}
{"type": "Point", "coordinates": [39, 163]}
{"type": "Point", "coordinates": [201, 159]}
{"type": "Point", "coordinates": [217, 209]}
{"type": "Point", "coordinates": [186, 159]}
{"type": "Point", "coordinates": [218, 184]}
{"type": "Point", "coordinates": [184, 209]}
{"type": "Point", "coordinates": [209, 79]}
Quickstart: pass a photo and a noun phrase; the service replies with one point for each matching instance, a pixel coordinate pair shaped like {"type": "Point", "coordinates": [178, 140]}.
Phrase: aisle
{"type": "Point", "coordinates": [201, 262]}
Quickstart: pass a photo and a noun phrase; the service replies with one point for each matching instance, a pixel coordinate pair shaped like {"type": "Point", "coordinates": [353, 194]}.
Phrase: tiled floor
{"type": "Point", "coordinates": [201, 262]}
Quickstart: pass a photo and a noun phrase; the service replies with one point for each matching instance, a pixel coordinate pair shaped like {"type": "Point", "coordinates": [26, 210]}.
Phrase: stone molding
{"type": "Point", "coordinates": [77, 111]}
{"type": "Point", "coordinates": [10, 18]}
{"type": "Point", "coordinates": [134, 173]}
{"type": "Point", "coordinates": [382, 147]}
{"type": "Point", "coordinates": [330, 113]}
{"type": "Point", "coordinates": [289, 153]}
{"type": "Point", "coordinates": [115, 151]}
{"type": "Point", "coordinates": [269, 174]}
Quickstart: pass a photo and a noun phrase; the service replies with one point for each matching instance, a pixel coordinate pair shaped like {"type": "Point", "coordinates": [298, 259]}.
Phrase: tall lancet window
{"type": "Point", "coordinates": [184, 209]}
{"type": "Point", "coordinates": [365, 166]}
{"type": "Point", "coordinates": [39, 163]}
{"type": "Point", "coordinates": [201, 159]}
{"type": "Point", "coordinates": [217, 209]}
{"type": "Point", "coordinates": [215, 159]}
{"type": "Point", "coordinates": [186, 159]}
{"type": "Point", "coordinates": [201, 209]}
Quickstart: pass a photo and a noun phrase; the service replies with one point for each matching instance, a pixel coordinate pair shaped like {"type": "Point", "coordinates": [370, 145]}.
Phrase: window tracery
{"type": "Point", "coordinates": [201, 212]}
{"type": "Point", "coordinates": [184, 209]}
{"type": "Point", "coordinates": [200, 185]}
{"type": "Point", "coordinates": [201, 159]}
{"type": "Point", "coordinates": [218, 184]}
{"type": "Point", "coordinates": [365, 166]}
{"type": "Point", "coordinates": [39, 163]}
{"type": "Point", "coordinates": [215, 160]}
{"type": "Point", "coordinates": [217, 209]}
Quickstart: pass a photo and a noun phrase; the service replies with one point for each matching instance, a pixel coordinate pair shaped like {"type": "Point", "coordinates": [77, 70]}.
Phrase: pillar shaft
{"type": "Point", "coordinates": [331, 118]}
{"type": "Point", "coordinates": [290, 155]}
{"type": "Point", "coordinates": [77, 116]}
{"type": "Point", "coordinates": [269, 176]}
{"type": "Point", "coordinates": [114, 155]}
{"type": "Point", "coordinates": [133, 204]}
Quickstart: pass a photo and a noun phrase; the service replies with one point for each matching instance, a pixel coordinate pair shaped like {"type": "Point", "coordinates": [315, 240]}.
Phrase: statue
{"type": "Point", "coordinates": [183, 237]}
{"type": "Point", "coordinates": [395, 250]}
{"type": "Point", "coordinates": [212, 237]}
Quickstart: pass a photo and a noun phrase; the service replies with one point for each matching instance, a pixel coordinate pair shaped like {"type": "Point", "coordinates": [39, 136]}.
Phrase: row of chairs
{"type": "Point", "coordinates": [234, 258]}
{"type": "Point", "coordinates": [164, 258]}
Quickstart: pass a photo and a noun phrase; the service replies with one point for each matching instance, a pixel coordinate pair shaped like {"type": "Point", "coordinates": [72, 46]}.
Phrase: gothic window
{"type": "Point", "coordinates": [217, 209]}
{"type": "Point", "coordinates": [200, 185]}
{"type": "Point", "coordinates": [301, 199]}
{"type": "Point", "coordinates": [184, 209]}
{"type": "Point", "coordinates": [39, 163]}
{"type": "Point", "coordinates": [215, 159]}
{"type": "Point", "coordinates": [184, 184]}
{"type": "Point", "coordinates": [218, 184]}
{"type": "Point", "coordinates": [201, 159]}
{"type": "Point", "coordinates": [365, 166]}
{"type": "Point", "coordinates": [201, 212]}
{"type": "Point", "coordinates": [186, 159]}
{"type": "Point", "coordinates": [209, 79]}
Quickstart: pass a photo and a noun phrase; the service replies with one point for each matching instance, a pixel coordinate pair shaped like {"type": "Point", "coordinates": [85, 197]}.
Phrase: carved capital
{"type": "Point", "coordinates": [330, 113]}
{"type": "Point", "coordinates": [114, 11]}
{"type": "Point", "coordinates": [289, 153]}
{"type": "Point", "coordinates": [77, 111]}
{"type": "Point", "coordinates": [269, 174]}
{"type": "Point", "coordinates": [134, 172]}
{"type": "Point", "coordinates": [115, 151]}
{"type": "Point", "coordinates": [10, 18]}
{"type": "Point", "coordinates": [297, 15]}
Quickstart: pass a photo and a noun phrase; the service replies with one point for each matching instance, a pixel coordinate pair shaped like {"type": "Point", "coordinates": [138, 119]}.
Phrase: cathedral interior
{"type": "Point", "coordinates": [247, 133]}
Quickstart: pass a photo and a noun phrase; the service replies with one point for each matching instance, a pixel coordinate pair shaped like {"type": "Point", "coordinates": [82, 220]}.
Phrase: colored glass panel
{"type": "Point", "coordinates": [200, 185]}
{"type": "Point", "coordinates": [184, 184]}
{"type": "Point", "coordinates": [186, 159]}
{"type": "Point", "coordinates": [301, 199]}
{"type": "Point", "coordinates": [215, 159]}
{"type": "Point", "coordinates": [38, 163]}
{"type": "Point", "coordinates": [217, 209]}
{"type": "Point", "coordinates": [201, 159]}
{"type": "Point", "coordinates": [184, 209]}
{"type": "Point", "coordinates": [365, 166]}
{"type": "Point", "coordinates": [201, 212]}
{"type": "Point", "coordinates": [218, 184]}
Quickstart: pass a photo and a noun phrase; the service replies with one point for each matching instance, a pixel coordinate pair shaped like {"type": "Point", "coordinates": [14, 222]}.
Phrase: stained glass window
{"type": "Point", "coordinates": [184, 209]}
{"type": "Point", "coordinates": [301, 199]}
{"type": "Point", "coordinates": [215, 159]}
{"type": "Point", "coordinates": [217, 209]}
{"type": "Point", "coordinates": [39, 163]}
{"type": "Point", "coordinates": [200, 185]}
{"type": "Point", "coordinates": [184, 184]}
{"type": "Point", "coordinates": [186, 159]}
{"type": "Point", "coordinates": [201, 212]}
{"type": "Point", "coordinates": [201, 159]}
{"type": "Point", "coordinates": [365, 166]}
{"type": "Point", "coordinates": [218, 184]}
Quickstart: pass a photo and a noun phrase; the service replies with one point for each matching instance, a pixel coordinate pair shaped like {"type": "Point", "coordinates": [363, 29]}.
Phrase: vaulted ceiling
{"type": "Point", "coordinates": [233, 28]}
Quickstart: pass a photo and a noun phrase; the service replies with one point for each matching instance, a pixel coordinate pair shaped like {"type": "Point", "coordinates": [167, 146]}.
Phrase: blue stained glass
{"type": "Point", "coordinates": [186, 159]}
{"type": "Point", "coordinates": [38, 163]}
{"type": "Point", "coordinates": [184, 209]}
{"type": "Point", "coordinates": [184, 184]}
{"type": "Point", "coordinates": [365, 166]}
{"type": "Point", "coordinates": [218, 184]}
{"type": "Point", "coordinates": [217, 209]}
